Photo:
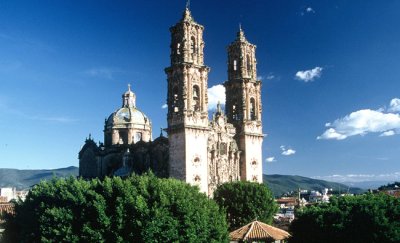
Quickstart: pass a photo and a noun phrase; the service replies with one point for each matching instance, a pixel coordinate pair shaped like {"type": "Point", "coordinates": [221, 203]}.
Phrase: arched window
{"type": "Point", "coordinates": [178, 48]}
{"type": "Point", "coordinates": [252, 109]}
{"type": "Point", "coordinates": [223, 148]}
{"type": "Point", "coordinates": [235, 116]}
{"type": "Point", "coordinates": [123, 137]}
{"type": "Point", "coordinates": [234, 65]}
{"type": "Point", "coordinates": [137, 137]}
{"type": "Point", "coordinates": [192, 45]}
{"type": "Point", "coordinates": [248, 65]}
{"type": "Point", "coordinates": [175, 97]}
{"type": "Point", "coordinates": [196, 98]}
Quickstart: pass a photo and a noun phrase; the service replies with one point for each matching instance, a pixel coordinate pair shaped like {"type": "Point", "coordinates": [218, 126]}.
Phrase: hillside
{"type": "Point", "coordinates": [23, 179]}
{"type": "Point", "coordinates": [280, 184]}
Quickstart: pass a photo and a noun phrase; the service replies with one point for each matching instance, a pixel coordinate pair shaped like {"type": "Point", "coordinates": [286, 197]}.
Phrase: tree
{"type": "Point", "coordinates": [390, 186]}
{"type": "Point", "coordinates": [137, 209]}
{"type": "Point", "coordinates": [245, 201]}
{"type": "Point", "coordinates": [363, 218]}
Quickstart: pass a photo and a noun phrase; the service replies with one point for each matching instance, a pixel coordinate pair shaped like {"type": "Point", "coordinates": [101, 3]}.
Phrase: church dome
{"type": "Point", "coordinates": [127, 115]}
{"type": "Point", "coordinates": [127, 124]}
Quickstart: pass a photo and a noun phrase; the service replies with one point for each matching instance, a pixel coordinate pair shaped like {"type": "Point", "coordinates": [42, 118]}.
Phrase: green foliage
{"type": "Point", "coordinates": [390, 186]}
{"type": "Point", "coordinates": [363, 218]}
{"type": "Point", "coordinates": [245, 201]}
{"type": "Point", "coordinates": [136, 209]}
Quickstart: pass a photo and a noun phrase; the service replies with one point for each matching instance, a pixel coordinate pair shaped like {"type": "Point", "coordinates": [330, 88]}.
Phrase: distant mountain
{"type": "Point", "coordinates": [280, 184]}
{"type": "Point", "coordinates": [23, 179]}
{"type": "Point", "coordinates": [367, 184]}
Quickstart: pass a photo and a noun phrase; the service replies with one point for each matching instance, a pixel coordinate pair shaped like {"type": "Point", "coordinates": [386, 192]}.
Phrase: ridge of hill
{"type": "Point", "coordinates": [24, 179]}
{"type": "Point", "coordinates": [279, 184]}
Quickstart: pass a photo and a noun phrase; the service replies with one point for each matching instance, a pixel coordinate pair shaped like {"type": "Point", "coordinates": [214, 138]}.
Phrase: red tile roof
{"type": "Point", "coordinates": [258, 231]}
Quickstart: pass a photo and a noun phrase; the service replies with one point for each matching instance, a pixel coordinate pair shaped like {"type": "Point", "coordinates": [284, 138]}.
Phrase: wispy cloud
{"type": "Point", "coordinates": [270, 159]}
{"type": "Point", "coordinates": [24, 42]}
{"type": "Point", "coordinates": [287, 151]}
{"type": "Point", "coordinates": [310, 10]}
{"type": "Point", "coordinates": [362, 122]}
{"type": "Point", "coordinates": [216, 94]}
{"type": "Point", "coordinates": [309, 75]}
{"type": "Point", "coordinates": [9, 66]}
{"type": "Point", "coordinates": [164, 106]}
{"type": "Point", "coordinates": [102, 72]}
{"type": "Point", "coordinates": [307, 10]}
{"type": "Point", "coordinates": [58, 119]}
{"type": "Point", "coordinates": [395, 176]}
{"type": "Point", "coordinates": [270, 76]}
{"type": "Point", "coordinates": [5, 108]}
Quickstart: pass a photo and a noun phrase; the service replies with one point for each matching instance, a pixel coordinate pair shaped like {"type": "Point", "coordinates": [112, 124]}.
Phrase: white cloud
{"type": "Point", "coordinates": [307, 10]}
{"type": "Point", "coordinates": [310, 10]}
{"type": "Point", "coordinates": [387, 133]}
{"type": "Point", "coordinates": [165, 106]}
{"type": "Point", "coordinates": [362, 122]}
{"type": "Point", "coordinates": [216, 94]}
{"type": "Point", "coordinates": [287, 151]}
{"type": "Point", "coordinates": [332, 134]}
{"type": "Point", "coordinates": [102, 72]}
{"type": "Point", "coordinates": [309, 75]}
{"type": "Point", "coordinates": [394, 105]}
{"type": "Point", "coordinates": [270, 159]}
{"type": "Point", "coordinates": [395, 176]}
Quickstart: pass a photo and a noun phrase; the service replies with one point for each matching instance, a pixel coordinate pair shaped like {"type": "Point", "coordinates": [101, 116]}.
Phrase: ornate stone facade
{"type": "Point", "coordinates": [199, 151]}
{"type": "Point", "coordinates": [128, 146]}
{"type": "Point", "coordinates": [223, 152]}
{"type": "Point", "coordinates": [209, 153]}
{"type": "Point", "coordinates": [243, 105]}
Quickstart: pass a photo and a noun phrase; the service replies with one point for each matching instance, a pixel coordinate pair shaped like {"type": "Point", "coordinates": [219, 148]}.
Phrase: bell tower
{"type": "Point", "coordinates": [243, 105]}
{"type": "Point", "coordinates": [187, 103]}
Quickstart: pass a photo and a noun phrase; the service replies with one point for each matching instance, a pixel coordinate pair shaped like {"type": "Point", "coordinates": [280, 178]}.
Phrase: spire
{"type": "Point", "coordinates": [187, 16]}
{"type": "Point", "coordinates": [161, 132]}
{"type": "Point", "coordinates": [240, 34]}
{"type": "Point", "coordinates": [129, 98]}
{"type": "Point", "coordinates": [219, 107]}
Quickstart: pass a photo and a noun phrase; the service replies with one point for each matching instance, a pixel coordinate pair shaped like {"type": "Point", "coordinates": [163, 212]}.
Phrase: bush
{"type": "Point", "coordinates": [136, 209]}
{"type": "Point", "coordinates": [363, 218]}
{"type": "Point", "coordinates": [246, 201]}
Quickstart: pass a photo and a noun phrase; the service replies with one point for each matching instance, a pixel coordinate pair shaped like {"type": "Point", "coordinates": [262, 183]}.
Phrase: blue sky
{"type": "Point", "coordinates": [330, 72]}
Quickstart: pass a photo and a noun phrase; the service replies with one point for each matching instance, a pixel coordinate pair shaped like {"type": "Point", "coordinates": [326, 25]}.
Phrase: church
{"type": "Point", "coordinates": [198, 150]}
